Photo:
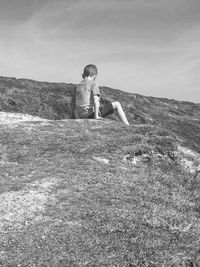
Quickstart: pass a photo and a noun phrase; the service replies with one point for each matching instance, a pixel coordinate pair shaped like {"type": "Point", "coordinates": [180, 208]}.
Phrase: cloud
{"type": "Point", "coordinates": [113, 19]}
{"type": "Point", "coordinates": [19, 11]}
{"type": "Point", "coordinates": [151, 45]}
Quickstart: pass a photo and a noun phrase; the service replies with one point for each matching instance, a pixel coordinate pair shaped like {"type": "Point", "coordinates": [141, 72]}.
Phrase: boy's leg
{"type": "Point", "coordinates": [91, 116]}
{"type": "Point", "coordinates": [117, 106]}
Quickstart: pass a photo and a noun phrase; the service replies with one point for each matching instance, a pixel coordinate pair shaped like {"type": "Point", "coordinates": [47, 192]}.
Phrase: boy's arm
{"type": "Point", "coordinates": [73, 104]}
{"type": "Point", "coordinates": [96, 106]}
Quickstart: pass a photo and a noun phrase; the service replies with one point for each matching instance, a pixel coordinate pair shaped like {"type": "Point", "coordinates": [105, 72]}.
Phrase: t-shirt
{"type": "Point", "coordinates": [85, 92]}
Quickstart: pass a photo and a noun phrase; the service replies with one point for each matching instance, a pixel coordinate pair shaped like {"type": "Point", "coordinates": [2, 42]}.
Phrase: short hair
{"type": "Point", "coordinates": [89, 70]}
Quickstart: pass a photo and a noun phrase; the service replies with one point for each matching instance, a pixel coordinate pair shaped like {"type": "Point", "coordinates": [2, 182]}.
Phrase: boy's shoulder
{"type": "Point", "coordinates": [87, 83]}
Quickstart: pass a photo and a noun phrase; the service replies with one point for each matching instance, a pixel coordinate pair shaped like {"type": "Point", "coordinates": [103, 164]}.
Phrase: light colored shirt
{"type": "Point", "coordinates": [85, 92]}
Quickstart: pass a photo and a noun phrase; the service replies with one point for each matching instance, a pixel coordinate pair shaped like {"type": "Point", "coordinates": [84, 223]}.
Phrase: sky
{"type": "Point", "coordinates": [148, 47]}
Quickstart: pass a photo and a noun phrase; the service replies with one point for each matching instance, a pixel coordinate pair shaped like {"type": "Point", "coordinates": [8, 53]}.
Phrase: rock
{"type": "Point", "coordinates": [171, 155]}
{"type": "Point", "coordinates": [106, 161]}
{"type": "Point", "coordinates": [138, 153]}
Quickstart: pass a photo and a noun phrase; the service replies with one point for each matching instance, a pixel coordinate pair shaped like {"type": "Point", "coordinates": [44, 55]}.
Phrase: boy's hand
{"type": "Point", "coordinates": [96, 107]}
{"type": "Point", "coordinates": [98, 117]}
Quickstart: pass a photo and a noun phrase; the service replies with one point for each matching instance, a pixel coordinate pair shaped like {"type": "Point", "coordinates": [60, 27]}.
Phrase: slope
{"type": "Point", "coordinates": [96, 193]}
{"type": "Point", "coordinates": [53, 101]}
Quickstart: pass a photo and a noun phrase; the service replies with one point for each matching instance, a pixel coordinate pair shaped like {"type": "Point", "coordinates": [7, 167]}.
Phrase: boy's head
{"type": "Point", "coordinates": [89, 71]}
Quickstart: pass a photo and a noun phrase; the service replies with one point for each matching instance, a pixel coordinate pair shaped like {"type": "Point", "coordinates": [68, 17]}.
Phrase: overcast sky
{"type": "Point", "coordinates": [150, 47]}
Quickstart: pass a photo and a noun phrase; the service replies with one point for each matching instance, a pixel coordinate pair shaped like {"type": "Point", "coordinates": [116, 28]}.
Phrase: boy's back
{"type": "Point", "coordinates": [85, 92]}
{"type": "Point", "coordinates": [86, 99]}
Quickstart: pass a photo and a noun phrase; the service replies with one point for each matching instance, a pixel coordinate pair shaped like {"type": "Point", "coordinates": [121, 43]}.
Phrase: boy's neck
{"type": "Point", "coordinates": [90, 78]}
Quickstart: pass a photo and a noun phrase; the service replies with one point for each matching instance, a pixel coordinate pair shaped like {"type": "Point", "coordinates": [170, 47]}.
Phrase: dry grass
{"type": "Point", "coordinates": [53, 101]}
{"type": "Point", "coordinates": [88, 193]}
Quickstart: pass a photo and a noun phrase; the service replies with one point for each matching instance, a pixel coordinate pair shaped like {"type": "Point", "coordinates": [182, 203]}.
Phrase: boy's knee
{"type": "Point", "coordinates": [116, 105]}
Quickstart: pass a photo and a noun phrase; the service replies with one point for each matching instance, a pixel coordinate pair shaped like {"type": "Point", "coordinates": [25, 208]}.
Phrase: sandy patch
{"type": "Point", "coordinates": [190, 160]}
{"type": "Point", "coordinates": [28, 204]}
{"type": "Point", "coordinates": [9, 118]}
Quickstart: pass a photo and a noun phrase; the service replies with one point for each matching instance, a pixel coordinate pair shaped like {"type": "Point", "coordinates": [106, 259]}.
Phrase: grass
{"type": "Point", "coordinates": [53, 101]}
{"type": "Point", "coordinates": [88, 193]}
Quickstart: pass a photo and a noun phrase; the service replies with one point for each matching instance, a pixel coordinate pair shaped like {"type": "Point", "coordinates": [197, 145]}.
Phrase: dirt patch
{"type": "Point", "coordinates": [11, 118]}
{"type": "Point", "coordinates": [189, 160]}
{"type": "Point", "coordinates": [25, 205]}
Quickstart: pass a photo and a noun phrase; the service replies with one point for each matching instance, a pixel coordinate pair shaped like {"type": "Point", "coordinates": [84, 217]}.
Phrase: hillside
{"type": "Point", "coordinates": [97, 193]}
{"type": "Point", "coordinates": [53, 101]}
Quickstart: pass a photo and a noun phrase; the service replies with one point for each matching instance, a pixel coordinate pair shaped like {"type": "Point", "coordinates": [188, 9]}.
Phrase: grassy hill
{"type": "Point", "coordinates": [97, 193]}
{"type": "Point", "coordinates": [53, 101]}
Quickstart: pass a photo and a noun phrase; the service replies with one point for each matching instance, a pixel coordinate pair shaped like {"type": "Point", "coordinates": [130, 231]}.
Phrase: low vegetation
{"type": "Point", "coordinates": [98, 193]}
{"type": "Point", "coordinates": [53, 101]}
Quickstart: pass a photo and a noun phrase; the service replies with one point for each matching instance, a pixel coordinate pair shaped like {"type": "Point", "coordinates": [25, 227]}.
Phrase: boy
{"type": "Point", "coordinates": [87, 97]}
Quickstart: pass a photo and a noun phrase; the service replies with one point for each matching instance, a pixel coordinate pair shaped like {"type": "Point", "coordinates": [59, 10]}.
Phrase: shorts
{"type": "Point", "coordinates": [105, 110]}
